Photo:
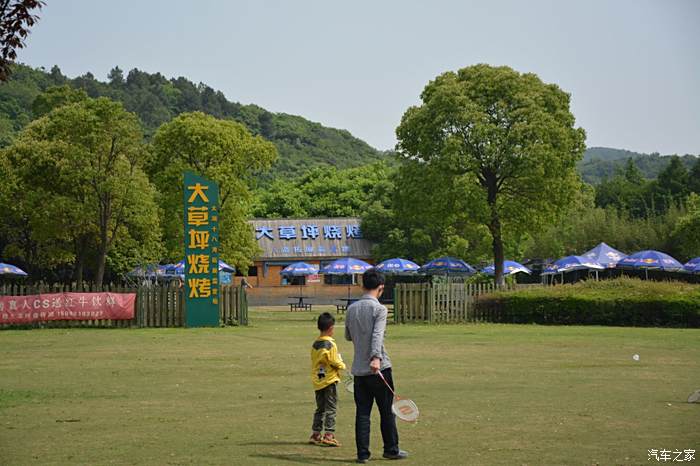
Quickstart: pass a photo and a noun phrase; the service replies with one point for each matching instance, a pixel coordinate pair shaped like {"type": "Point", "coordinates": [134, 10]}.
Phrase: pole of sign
{"type": "Point", "coordinates": [201, 220]}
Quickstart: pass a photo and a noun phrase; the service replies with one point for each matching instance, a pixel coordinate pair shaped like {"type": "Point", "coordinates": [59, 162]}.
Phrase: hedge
{"type": "Point", "coordinates": [619, 302]}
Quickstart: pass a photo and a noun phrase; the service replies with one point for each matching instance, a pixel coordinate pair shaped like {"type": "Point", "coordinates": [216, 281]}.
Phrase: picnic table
{"type": "Point", "coordinates": [298, 304]}
{"type": "Point", "coordinates": [340, 308]}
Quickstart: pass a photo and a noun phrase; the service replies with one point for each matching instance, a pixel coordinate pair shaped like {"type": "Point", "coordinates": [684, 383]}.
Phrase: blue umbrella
{"type": "Point", "coordinates": [447, 265]}
{"type": "Point", "coordinates": [346, 266]}
{"type": "Point", "coordinates": [604, 255]}
{"type": "Point", "coordinates": [172, 270]}
{"type": "Point", "coordinates": [9, 269]}
{"type": "Point", "coordinates": [650, 260]}
{"type": "Point", "coordinates": [224, 267]}
{"type": "Point", "coordinates": [693, 265]}
{"type": "Point", "coordinates": [299, 269]}
{"type": "Point", "coordinates": [509, 267]}
{"type": "Point", "coordinates": [397, 265]}
{"type": "Point", "coordinates": [569, 263]}
{"type": "Point", "coordinates": [175, 269]}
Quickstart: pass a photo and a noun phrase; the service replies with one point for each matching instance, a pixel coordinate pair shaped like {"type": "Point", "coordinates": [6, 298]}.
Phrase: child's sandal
{"type": "Point", "coordinates": [329, 440]}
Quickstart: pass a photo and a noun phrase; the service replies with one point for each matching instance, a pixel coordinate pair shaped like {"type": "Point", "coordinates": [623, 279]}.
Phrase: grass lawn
{"type": "Point", "coordinates": [488, 394]}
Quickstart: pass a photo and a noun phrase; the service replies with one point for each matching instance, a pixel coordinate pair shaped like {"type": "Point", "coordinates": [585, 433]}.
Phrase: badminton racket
{"type": "Point", "coordinates": [349, 383]}
{"type": "Point", "coordinates": [403, 408]}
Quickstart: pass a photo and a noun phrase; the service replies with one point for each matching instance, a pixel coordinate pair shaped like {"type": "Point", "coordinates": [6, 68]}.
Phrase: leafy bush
{"type": "Point", "coordinates": [619, 302]}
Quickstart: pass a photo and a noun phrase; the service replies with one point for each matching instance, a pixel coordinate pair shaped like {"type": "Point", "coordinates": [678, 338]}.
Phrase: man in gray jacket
{"type": "Point", "coordinates": [365, 324]}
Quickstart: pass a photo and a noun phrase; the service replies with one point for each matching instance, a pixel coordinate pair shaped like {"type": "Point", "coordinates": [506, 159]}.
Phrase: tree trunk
{"type": "Point", "coordinates": [101, 259]}
{"type": "Point", "coordinates": [498, 255]}
{"type": "Point", "coordinates": [495, 229]}
{"type": "Point", "coordinates": [103, 246]}
{"type": "Point", "coordinates": [78, 269]}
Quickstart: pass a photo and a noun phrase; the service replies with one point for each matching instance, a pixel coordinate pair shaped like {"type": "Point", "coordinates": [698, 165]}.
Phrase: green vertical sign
{"type": "Point", "coordinates": [201, 200]}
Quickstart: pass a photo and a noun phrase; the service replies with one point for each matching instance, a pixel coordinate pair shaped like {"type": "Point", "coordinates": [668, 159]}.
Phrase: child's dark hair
{"type": "Point", "coordinates": [325, 321]}
{"type": "Point", "coordinates": [372, 278]}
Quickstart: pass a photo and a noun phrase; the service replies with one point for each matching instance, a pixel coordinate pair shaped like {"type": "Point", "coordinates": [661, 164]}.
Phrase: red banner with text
{"type": "Point", "coordinates": [66, 306]}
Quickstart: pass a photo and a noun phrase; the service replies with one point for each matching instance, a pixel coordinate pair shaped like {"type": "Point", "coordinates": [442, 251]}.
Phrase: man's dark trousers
{"type": "Point", "coordinates": [370, 388]}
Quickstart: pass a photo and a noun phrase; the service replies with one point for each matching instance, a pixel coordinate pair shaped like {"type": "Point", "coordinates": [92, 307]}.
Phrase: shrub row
{"type": "Point", "coordinates": [620, 302]}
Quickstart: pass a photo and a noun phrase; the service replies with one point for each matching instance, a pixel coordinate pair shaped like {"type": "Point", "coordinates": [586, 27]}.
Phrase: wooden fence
{"type": "Point", "coordinates": [444, 302]}
{"type": "Point", "coordinates": [156, 306]}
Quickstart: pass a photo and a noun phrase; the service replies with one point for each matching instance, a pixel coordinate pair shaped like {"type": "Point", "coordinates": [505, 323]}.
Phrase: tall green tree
{"type": "Point", "coordinates": [281, 199]}
{"type": "Point", "coordinates": [672, 184]}
{"type": "Point", "coordinates": [694, 177]}
{"type": "Point", "coordinates": [81, 166]}
{"type": "Point", "coordinates": [626, 192]}
{"type": "Point", "coordinates": [16, 17]}
{"type": "Point", "coordinates": [686, 235]}
{"type": "Point", "coordinates": [588, 225]}
{"type": "Point", "coordinates": [509, 135]}
{"type": "Point", "coordinates": [7, 131]}
{"type": "Point", "coordinates": [42, 225]}
{"type": "Point", "coordinates": [221, 150]}
{"type": "Point", "coordinates": [323, 192]}
{"type": "Point", "coordinates": [116, 77]}
{"type": "Point", "coordinates": [632, 173]}
{"type": "Point", "coordinates": [423, 215]}
{"type": "Point", "coordinates": [54, 97]}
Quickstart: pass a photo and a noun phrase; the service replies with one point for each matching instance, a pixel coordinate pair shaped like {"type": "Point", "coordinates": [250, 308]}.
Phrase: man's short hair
{"type": "Point", "coordinates": [372, 278]}
{"type": "Point", "coordinates": [325, 321]}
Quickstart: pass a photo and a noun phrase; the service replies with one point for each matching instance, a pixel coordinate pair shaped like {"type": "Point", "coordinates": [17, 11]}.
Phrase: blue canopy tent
{"type": "Point", "coordinates": [447, 265]}
{"type": "Point", "coordinates": [13, 270]}
{"type": "Point", "coordinates": [346, 266]}
{"type": "Point", "coordinates": [571, 263]}
{"type": "Point", "coordinates": [693, 265]}
{"type": "Point", "coordinates": [397, 265]}
{"type": "Point", "coordinates": [605, 255]}
{"type": "Point", "coordinates": [178, 271]}
{"type": "Point", "coordinates": [299, 269]}
{"type": "Point", "coordinates": [509, 267]}
{"type": "Point", "coordinates": [650, 259]}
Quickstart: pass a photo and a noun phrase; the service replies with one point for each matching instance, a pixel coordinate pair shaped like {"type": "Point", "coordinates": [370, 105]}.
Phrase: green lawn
{"type": "Point", "coordinates": [488, 394]}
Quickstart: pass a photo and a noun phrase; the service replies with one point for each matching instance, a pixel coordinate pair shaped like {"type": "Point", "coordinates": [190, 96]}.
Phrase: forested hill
{"type": "Point", "coordinates": [302, 144]}
{"type": "Point", "coordinates": [603, 162]}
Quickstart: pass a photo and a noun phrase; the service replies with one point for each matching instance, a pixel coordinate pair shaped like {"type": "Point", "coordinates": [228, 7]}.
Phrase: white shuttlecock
{"type": "Point", "coordinates": [635, 357]}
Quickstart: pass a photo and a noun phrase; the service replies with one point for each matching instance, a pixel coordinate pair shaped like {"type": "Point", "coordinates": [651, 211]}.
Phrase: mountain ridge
{"type": "Point", "coordinates": [599, 163]}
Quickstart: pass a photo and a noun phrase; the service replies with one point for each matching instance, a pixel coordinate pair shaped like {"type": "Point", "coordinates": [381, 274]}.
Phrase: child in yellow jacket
{"type": "Point", "coordinates": [325, 366]}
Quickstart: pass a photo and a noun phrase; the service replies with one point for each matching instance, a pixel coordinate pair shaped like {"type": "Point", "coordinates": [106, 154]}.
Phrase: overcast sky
{"type": "Point", "coordinates": [631, 67]}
